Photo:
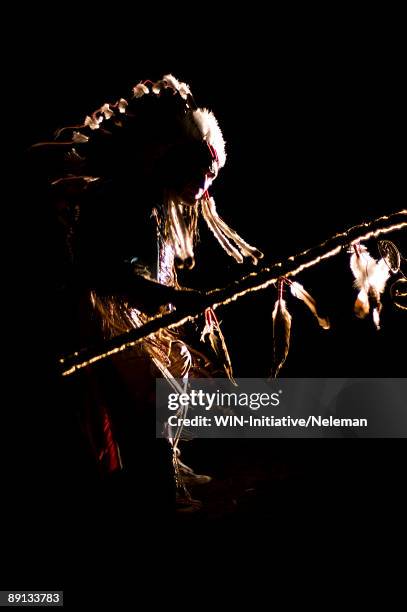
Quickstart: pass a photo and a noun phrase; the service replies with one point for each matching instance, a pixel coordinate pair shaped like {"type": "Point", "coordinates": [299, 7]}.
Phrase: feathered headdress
{"type": "Point", "coordinates": [93, 153]}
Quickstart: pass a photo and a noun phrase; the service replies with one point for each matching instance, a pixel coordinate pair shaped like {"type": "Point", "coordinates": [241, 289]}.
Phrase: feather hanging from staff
{"type": "Point", "coordinates": [281, 332]}
{"type": "Point", "coordinates": [299, 292]}
{"type": "Point", "coordinates": [213, 333]}
{"type": "Point", "coordinates": [370, 278]}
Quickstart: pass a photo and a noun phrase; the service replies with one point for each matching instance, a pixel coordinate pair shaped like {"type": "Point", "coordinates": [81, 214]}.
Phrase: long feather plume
{"type": "Point", "coordinates": [299, 292]}
{"type": "Point", "coordinates": [220, 236]}
{"type": "Point", "coordinates": [225, 235]}
{"type": "Point", "coordinates": [213, 333]}
{"type": "Point", "coordinates": [281, 332]}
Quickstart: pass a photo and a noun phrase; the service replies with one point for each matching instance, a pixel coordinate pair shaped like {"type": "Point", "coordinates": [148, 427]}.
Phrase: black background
{"type": "Point", "coordinates": [315, 130]}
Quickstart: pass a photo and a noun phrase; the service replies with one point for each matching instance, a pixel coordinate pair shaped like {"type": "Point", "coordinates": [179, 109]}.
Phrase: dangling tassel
{"type": "Point", "coordinates": [220, 237]}
{"type": "Point", "coordinates": [180, 236]}
{"type": "Point", "coordinates": [98, 428]}
{"type": "Point", "coordinates": [281, 331]}
{"type": "Point", "coordinates": [111, 451]}
{"type": "Point", "coordinates": [224, 234]}
{"type": "Point", "coordinates": [217, 342]}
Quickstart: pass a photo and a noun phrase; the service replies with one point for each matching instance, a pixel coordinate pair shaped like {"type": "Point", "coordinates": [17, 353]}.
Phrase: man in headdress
{"type": "Point", "coordinates": [130, 184]}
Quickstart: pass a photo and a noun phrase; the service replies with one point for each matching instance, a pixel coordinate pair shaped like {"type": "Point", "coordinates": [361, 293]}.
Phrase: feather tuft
{"type": "Point", "coordinates": [370, 278]}
{"type": "Point", "coordinates": [93, 122]}
{"type": "Point", "coordinates": [140, 90]}
{"type": "Point", "coordinates": [211, 132]}
{"type": "Point", "coordinates": [106, 110]}
{"type": "Point", "coordinates": [122, 105]}
{"type": "Point", "coordinates": [281, 335]}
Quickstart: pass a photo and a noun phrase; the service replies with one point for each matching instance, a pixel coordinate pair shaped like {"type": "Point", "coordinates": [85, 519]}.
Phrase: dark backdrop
{"type": "Point", "coordinates": [314, 127]}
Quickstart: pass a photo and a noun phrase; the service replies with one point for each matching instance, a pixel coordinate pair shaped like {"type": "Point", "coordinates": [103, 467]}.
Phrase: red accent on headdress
{"type": "Point", "coordinates": [213, 152]}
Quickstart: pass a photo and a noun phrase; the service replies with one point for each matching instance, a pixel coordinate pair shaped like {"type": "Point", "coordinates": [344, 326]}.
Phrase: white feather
{"type": "Point", "coordinates": [140, 90]}
{"type": "Point", "coordinates": [92, 122]}
{"type": "Point", "coordinates": [182, 88]}
{"type": "Point", "coordinates": [106, 110]}
{"type": "Point", "coordinates": [211, 132]}
{"type": "Point", "coordinates": [157, 87]}
{"type": "Point", "coordinates": [379, 276]}
{"type": "Point", "coordinates": [122, 105]}
{"type": "Point", "coordinates": [170, 81]}
{"type": "Point", "coordinates": [362, 266]}
{"type": "Point", "coordinates": [370, 277]}
{"type": "Point", "coordinates": [376, 318]}
{"type": "Point", "coordinates": [184, 91]}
